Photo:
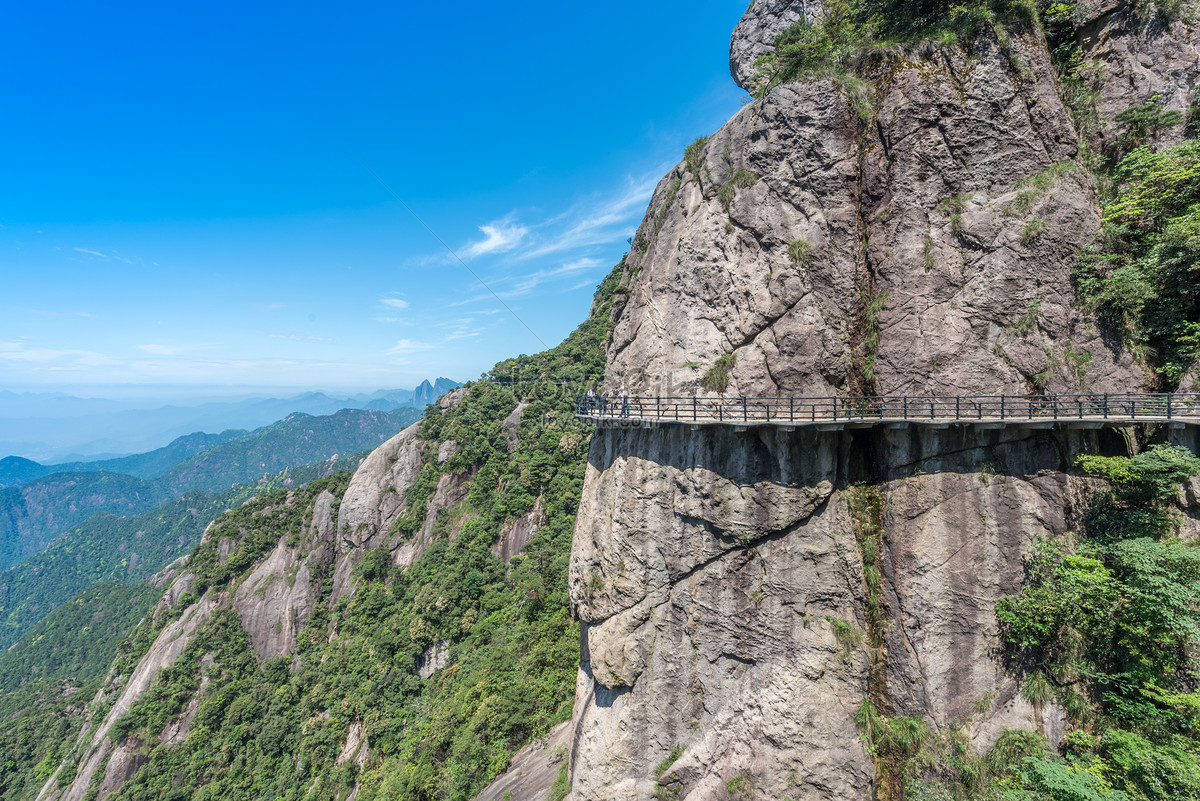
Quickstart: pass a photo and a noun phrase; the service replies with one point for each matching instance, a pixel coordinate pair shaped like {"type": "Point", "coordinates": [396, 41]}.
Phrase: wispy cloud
{"type": "Point", "coordinates": [106, 256]}
{"type": "Point", "coordinates": [406, 346]}
{"type": "Point", "coordinates": [597, 222]}
{"type": "Point", "coordinates": [532, 280]}
{"type": "Point", "coordinates": [499, 236]}
{"type": "Point", "coordinates": [394, 303]}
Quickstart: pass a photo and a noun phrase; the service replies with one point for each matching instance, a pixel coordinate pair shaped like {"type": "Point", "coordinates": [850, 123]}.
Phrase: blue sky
{"type": "Point", "coordinates": [188, 205]}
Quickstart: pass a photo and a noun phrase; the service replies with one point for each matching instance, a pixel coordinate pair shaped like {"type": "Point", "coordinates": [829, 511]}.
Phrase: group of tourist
{"type": "Point", "coordinates": [599, 404]}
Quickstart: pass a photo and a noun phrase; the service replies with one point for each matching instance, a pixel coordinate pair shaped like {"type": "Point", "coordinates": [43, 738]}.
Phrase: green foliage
{"type": "Point", "coordinates": [717, 378]}
{"type": "Point", "coordinates": [848, 635]}
{"type": "Point", "coordinates": [872, 304]}
{"type": "Point", "coordinates": [799, 251]}
{"type": "Point", "coordinates": [661, 215]}
{"type": "Point", "coordinates": [1143, 278]}
{"type": "Point", "coordinates": [1121, 617]}
{"type": "Point", "coordinates": [896, 738]}
{"type": "Point", "coordinates": [298, 439]}
{"type": "Point", "coordinates": [669, 760]}
{"type": "Point", "coordinates": [693, 157]}
{"type": "Point", "coordinates": [741, 786]}
{"type": "Point", "coordinates": [849, 32]}
{"type": "Point", "coordinates": [105, 548]}
{"type": "Point", "coordinates": [1145, 770]}
{"type": "Point", "coordinates": [953, 207]}
{"type": "Point", "coordinates": [561, 786]}
{"type": "Point", "coordinates": [32, 514]}
{"type": "Point", "coordinates": [728, 191]}
{"type": "Point", "coordinates": [77, 641]}
{"type": "Point", "coordinates": [1060, 781]}
{"type": "Point", "coordinates": [1140, 124]}
{"type": "Point", "coordinates": [1033, 231]}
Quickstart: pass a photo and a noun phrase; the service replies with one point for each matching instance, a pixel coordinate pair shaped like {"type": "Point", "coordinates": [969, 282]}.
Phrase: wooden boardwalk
{"type": "Point", "coordinates": [990, 411]}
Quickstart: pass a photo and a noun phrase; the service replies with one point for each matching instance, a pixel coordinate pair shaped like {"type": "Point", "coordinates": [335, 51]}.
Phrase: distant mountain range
{"type": "Point", "coordinates": [62, 431]}
{"type": "Point", "coordinates": [62, 531]}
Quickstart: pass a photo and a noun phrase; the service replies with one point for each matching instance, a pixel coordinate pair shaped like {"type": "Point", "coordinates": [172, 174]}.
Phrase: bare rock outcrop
{"type": "Point", "coordinates": [715, 606]}
{"type": "Point", "coordinates": [533, 769]}
{"type": "Point", "coordinates": [927, 252]}
{"type": "Point", "coordinates": [277, 598]}
{"type": "Point", "coordinates": [1140, 56]}
{"type": "Point", "coordinates": [754, 36]}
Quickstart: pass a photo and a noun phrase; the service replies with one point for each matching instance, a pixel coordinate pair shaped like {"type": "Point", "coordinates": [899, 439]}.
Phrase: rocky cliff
{"type": "Point", "coordinates": [909, 229]}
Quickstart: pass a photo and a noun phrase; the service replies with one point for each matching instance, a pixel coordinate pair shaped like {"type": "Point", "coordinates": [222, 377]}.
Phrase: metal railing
{"type": "Point", "coordinates": [1130, 407]}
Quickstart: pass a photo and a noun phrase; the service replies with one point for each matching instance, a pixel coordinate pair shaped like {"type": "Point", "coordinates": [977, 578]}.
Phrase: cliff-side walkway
{"type": "Point", "coordinates": [993, 411]}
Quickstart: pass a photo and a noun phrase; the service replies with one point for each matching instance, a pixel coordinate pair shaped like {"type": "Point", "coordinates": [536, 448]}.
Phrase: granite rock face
{"type": "Point", "coordinates": [914, 239]}
{"type": "Point", "coordinates": [911, 255]}
{"type": "Point", "coordinates": [1140, 57]}
{"type": "Point", "coordinates": [755, 34]}
{"type": "Point", "coordinates": [712, 605]}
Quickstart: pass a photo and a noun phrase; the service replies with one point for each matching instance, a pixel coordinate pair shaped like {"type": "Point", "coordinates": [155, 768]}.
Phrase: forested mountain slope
{"type": "Point", "coordinates": [401, 632]}
{"type": "Point", "coordinates": [32, 514]}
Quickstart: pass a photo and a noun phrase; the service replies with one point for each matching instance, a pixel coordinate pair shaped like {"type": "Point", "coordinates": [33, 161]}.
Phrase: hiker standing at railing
{"type": "Point", "coordinates": [624, 396]}
{"type": "Point", "coordinates": [591, 399]}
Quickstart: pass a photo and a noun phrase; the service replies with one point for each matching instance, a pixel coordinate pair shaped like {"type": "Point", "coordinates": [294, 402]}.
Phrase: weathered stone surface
{"type": "Point", "coordinates": [516, 535]}
{"type": "Point", "coordinates": [1142, 57]}
{"type": "Point", "coordinates": [277, 598]}
{"type": "Point", "coordinates": [532, 770]}
{"type": "Point", "coordinates": [755, 34]}
{"type": "Point", "coordinates": [913, 236]}
{"type": "Point", "coordinates": [373, 502]}
{"type": "Point", "coordinates": [433, 659]}
{"type": "Point", "coordinates": [707, 567]}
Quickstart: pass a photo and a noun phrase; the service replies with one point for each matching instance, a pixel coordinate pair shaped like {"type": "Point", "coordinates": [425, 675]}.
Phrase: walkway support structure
{"type": "Point", "coordinates": [1178, 408]}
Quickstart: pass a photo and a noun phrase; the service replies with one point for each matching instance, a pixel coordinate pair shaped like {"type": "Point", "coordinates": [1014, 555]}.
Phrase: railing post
{"type": "Point", "coordinates": [695, 410]}
{"type": "Point", "coordinates": [905, 407]}
{"type": "Point", "coordinates": [958, 407]}
{"type": "Point", "coordinates": [1168, 405]}
{"type": "Point", "coordinates": [1105, 405]}
{"type": "Point", "coordinates": [744, 411]}
{"type": "Point", "coordinates": [791, 408]}
{"type": "Point", "coordinates": [1001, 407]}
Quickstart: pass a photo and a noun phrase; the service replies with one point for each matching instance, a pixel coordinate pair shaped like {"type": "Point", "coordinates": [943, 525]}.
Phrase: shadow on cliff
{"type": "Point", "coordinates": [804, 458]}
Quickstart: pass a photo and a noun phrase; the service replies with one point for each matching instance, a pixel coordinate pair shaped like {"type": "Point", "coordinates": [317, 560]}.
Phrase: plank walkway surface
{"type": "Point", "coordinates": [1180, 409]}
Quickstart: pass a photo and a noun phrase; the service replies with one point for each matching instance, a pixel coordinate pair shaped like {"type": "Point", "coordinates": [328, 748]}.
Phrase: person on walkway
{"type": "Point", "coordinates": [624, 396]}
{"type": "Point", "coordinates": [591, 399]}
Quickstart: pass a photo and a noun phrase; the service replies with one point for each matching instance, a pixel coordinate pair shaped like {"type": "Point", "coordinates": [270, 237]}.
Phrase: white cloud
{"type": "Point", "coordinates": [405, 346]}
{"type": "Point", "coordinates": [598, 224]}
{"type": "Point", "coordinates": [91, 252]}
{"type": "Point", "coordinates": [394, 303]}
{"type": "Point", "coordinates": [499, 236]}
{"type": "Point", "coordinates": [531, 281]}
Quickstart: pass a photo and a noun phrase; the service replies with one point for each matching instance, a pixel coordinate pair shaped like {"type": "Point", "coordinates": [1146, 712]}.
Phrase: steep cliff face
{"type": "Point", "coordinates": [909, 231]}
{"type": "Point", "coordinates": [745, 593]}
